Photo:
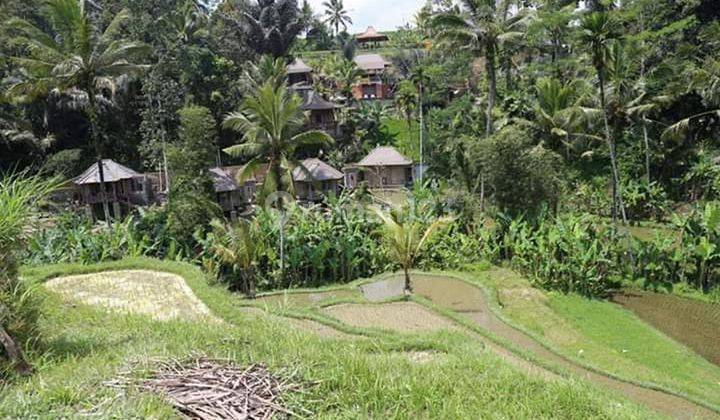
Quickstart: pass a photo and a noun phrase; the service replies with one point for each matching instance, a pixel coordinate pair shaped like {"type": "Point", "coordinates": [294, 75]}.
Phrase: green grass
{"type": "Point", "coordinates": [84, 347]}
{"type": "Point", "coordinates": [605, 336]}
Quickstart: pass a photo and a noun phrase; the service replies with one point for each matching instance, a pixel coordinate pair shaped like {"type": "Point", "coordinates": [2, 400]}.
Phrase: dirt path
{"type": "Point", "coordinates": [471, 302]}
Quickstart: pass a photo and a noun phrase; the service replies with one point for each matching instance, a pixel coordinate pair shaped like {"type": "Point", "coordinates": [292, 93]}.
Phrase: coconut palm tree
{"type": "Point", "coordinates": [598, 33]}
{"type": "Point", "coordinates": [557, 111]}
{"type": "Point", "coordinates": [70, 57]}
{"type": "Point", "coordinates": [480, 28]}
{"type": "Point", "coordinates": [337, 16]}
{"type": "Point", "coordinates": [271, 123]}
{"type": "Point", "coordinates": [20, 197]}
{"type": "Point", "coordinates": [240, 248]}
{"type": "Point", "coordinates": [404, 235]}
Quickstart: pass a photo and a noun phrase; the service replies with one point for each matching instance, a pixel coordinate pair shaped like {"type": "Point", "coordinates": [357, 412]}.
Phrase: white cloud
{"type": "Point", "coordinates": [382, 14]}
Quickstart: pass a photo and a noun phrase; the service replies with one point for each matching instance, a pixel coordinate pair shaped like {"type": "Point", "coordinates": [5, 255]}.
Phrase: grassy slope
{"type": "Point", "coordinates": [605, 336]}
{"type": "Point", "coordinates": [365, 378]}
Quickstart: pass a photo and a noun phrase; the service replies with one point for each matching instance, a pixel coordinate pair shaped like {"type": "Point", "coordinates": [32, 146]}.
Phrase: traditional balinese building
{"type": "Point", "coordinates": [383, 168]}
{"type": "Point", "coordinates": [315, 179]}
{"type": "Point", "coordinates": [124, 189]}
{"type": "Point", "coordinates": [321, 112]}
{"type": "Point", "coordinates": [371, 38]}
{"type": "Point", "coordinates": [300, 77]}
{"type": "Point", "coordinates": [371, 85]}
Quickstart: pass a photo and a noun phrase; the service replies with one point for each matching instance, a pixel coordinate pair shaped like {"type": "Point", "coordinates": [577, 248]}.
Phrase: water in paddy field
{"type": "Point", "coordinates": [693, 323]}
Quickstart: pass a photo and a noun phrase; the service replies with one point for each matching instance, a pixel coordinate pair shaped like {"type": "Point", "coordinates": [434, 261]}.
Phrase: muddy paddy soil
{"type": "Point", "coordinates": [693, 323]}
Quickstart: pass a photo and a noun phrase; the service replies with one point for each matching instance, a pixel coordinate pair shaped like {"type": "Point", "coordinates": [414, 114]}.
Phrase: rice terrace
{"type": "Point", "coordinates": [359, 209]}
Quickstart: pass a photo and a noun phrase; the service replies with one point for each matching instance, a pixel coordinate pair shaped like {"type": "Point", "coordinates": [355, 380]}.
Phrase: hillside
{"type": "Point", "coordinates": [370, 363]}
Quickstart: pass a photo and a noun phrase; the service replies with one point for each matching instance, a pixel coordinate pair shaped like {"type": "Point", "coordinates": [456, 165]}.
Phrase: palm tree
{"type": "Point", "coordinates": [404, 236]}
{"type": "Point", "coordinates": [599, 33]}
{"type": "Point", "coordinates": [272, 124]}
{"type": "Point", "coordinates": [480, 28]}
{"type": "Point", "coordinates": [706, 82]}
{"type": "Point", "coordinates": [70, 57]}
{"type": "Point", "coordinates": [557, 111]}
{"type": "Point", "coordinates": [337, 16]}
{"type": "Point", "coordinates": [240, 248]}
{"type": "Point", "coordinates": [20, 197]}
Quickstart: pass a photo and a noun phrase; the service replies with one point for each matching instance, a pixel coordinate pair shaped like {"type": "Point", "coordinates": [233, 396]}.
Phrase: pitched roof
{"type": "Point", "coordinates": [371, 34]}
{"type": "Point", "coordinates": [317, 170]}
{"type": "Point", "coordinates": [298, 66]}
{"type": "Point", "coordinates": [112, 172]}
{"type": "Point", "coordinates": [315, 102]}
{"type": "Point", "coordinates": [385, 156]}
{"type": "Point", "coordinates": [371, 62]}
{"type": "Point", "coordinates": [222, 180]}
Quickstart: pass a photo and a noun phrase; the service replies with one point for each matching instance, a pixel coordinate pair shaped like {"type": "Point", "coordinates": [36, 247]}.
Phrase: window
{"type": "Point", "coordinates": [384, 180]}
{"type": "Point", "coordinates": [137, 186]}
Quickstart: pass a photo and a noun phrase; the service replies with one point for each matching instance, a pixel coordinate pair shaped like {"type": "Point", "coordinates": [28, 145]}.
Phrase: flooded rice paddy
{"type": "Point", "coordinates": [693, 323]}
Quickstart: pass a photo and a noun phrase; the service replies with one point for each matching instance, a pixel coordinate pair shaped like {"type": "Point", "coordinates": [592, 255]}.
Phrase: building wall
{"type": "Point", "coordinates": [307, 191]}
{"type": "Point", "coordinates": [365, 91]}
{"type": "Point", "coordinates": [387, 176]}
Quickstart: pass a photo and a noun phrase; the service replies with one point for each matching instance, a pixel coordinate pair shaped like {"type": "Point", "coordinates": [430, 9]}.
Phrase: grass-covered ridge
{"type": "Point", "coordinates": [354, 378]}
{"type": "Point", "coordinates": [604, 336]}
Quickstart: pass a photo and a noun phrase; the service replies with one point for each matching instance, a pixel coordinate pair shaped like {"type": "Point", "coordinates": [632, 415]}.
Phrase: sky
{"type": "Point", "coordinates": [382, 14]}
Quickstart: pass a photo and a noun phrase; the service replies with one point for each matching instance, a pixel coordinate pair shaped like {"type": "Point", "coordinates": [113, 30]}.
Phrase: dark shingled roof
{"type": "Point", "coordinates": [223, 181]}
{"type": "Point", "coordinates": [298, 66]}
{"type": "Point", "coordinates": [385, 156]}
{"type": "Point", "coordinates": [112, 172]}
{"type": "Point", "coordinates": [315, 102]}
{"type": "Point", "coordinates": [317, 170]}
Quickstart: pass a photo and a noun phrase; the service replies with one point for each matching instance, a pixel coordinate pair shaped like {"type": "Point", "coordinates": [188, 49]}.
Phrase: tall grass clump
{"type": "Point", "coordinates": [20, 197]}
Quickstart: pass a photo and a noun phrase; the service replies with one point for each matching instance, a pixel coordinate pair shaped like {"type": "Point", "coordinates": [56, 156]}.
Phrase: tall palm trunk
{"type": "Point", "coordinates": [647, 149]}
{"type": "Point", "coordinates": [92, 115]}
{"type": "Point", "coordinates": [617, 193]}
{"type": "Point", "coordinates": [408, 284]}
{"type": "Point", "coordinates": [490, 51]}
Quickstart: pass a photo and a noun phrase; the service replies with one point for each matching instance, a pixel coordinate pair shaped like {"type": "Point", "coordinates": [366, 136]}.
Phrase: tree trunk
{"type": "Point", "coordinates": [408, 284]}
{"type": "Point", "coordinates": [482, 193]}
{"type": "Point", "coordinates": [617, 193]}
{"type": "Point", "coordinates": [647, 149]}
{"type": "Point", "coordinates": [250, 286]}
{"type": "Point", "coordinates": [14, 353]}
{"type": "Point", "coordinates": [492, 85]}
{"type": "Point", "coordinates": [95, 136]}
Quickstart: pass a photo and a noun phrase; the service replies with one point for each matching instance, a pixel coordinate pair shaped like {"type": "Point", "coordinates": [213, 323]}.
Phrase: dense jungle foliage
{"type": "Point", "coordinates": [575, 141]}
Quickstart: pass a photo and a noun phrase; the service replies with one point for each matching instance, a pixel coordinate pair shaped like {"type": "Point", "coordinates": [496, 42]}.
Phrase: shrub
{"type": "Point", "coordinates": [572, 254]}
{"type": "Point", "coordinates": [524, 178]}
{"type": "Point", "coordinates": [644, 200]}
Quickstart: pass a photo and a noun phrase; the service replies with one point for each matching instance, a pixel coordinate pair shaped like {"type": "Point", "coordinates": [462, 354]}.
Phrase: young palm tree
{"type": "Point", "coordinates": [557, 110]}
{"type": "Point", "coordinates": [271, 123]}
{"type": "Point", "coordinates": [598, 34]}
{"type": "Point", "coordinates": [404, 236]}
{"type": "Point", "coordinates": [20, 197]}
{"type": "Point", "coordinates": [240, 250]}
{"type": "Point", "coordinates": [71, 57]}
{"type": "Point", "coordinates": [337, 16]}
{"type": "Point", "coordinates": [480, 28]}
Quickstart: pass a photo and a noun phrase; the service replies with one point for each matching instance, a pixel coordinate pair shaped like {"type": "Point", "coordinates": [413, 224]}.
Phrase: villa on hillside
{"type": "Point", "coordinates": [315, 179]}
{"type": "Point", "coordinates": [371, 38]}
{"type": "Point", "coordinates": [383, 168]}
{"type": "Point", "coordinates": [300, 77]}
{"type": "Point", "coordinates": [124, 189]}
{"type": "Point", "coordinates": [371, 85]}
{"type": "Point", "coordinates": [321, 112]}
